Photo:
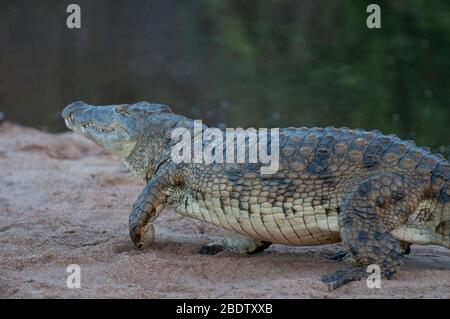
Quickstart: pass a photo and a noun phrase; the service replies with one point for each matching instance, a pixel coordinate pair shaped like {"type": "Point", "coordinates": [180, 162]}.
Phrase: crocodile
{"type": "Point", "coordinates": [375, 193]}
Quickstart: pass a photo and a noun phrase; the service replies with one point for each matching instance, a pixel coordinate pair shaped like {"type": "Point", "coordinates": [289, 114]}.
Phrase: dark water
{"type": "Point", "coordinates": [235, 63]}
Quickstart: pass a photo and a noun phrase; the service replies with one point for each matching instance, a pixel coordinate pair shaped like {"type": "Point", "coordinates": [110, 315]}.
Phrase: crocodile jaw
{"type": "Point", "coordinates": [105, 128]}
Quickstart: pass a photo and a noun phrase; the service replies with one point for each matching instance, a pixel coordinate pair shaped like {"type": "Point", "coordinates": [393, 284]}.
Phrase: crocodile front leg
{"type": "Point", "coordinates": [381, 200]}
{"type": "Point", "coordinates": [236, 244]}
{"type": "Point", "coordinates": [145, 210]}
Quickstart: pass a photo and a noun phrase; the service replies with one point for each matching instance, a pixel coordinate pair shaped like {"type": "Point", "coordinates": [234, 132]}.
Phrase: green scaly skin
{"type": "Point", "coordinates": [375, 193]}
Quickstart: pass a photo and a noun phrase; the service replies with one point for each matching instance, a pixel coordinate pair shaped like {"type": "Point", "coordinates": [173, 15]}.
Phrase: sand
{"type": "Point", "coordinates": [63, 200]}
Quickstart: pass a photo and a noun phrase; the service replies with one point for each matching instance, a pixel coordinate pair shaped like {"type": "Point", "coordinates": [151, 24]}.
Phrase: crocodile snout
{"type": "Point", "coordinates": [80, 114]}
{"type": "Point", "coordinates": [72, 108]}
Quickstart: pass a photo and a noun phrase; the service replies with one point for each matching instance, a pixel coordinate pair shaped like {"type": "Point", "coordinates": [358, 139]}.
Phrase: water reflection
{"type": "Point", "coordinates": [235, 63]}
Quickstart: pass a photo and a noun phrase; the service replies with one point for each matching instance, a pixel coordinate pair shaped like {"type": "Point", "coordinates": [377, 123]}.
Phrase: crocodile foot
{"type": "Point", "coordinates": [211, 249]}
{"type": "Point", "coordinates": [235, 244]}
{"type": "Point", "coordinates": [336, 279]}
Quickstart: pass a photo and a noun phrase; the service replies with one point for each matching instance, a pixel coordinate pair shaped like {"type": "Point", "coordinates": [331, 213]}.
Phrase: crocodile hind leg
{"type": "Point", "coordinates": [344, 255]}
{"type": "Point", "coordinates": [364, 214]}
{"type": "Point", "coordinates": [237, 244]}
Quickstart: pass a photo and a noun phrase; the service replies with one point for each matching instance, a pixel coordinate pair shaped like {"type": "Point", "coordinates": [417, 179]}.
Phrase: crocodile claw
{"type": "Point", "coordinates": [142, 237]}
{"type": "Point", "coordinates": [339, 256]}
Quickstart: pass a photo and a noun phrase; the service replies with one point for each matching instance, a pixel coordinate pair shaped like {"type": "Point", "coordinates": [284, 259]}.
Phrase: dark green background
{"type": "Point", "coordinates": [235, 63]}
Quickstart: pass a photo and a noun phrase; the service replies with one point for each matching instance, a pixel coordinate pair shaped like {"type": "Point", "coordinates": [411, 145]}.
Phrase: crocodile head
{"type": "Point", "coordinates": [115, 127]}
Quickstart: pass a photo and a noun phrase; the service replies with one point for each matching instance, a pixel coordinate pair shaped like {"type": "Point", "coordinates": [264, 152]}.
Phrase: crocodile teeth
{"type": "Point", "coordinates": [67, 122]}
{"type": "Point", "coordinates": [82, 129]}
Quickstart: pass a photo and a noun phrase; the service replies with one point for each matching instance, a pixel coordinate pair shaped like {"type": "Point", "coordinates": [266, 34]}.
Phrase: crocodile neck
{"type": "Point", "coordinates": [151, 153]}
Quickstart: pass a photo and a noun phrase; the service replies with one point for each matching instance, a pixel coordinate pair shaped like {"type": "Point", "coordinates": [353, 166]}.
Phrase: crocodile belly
{"type": "Point", "coordinates": [306, 226]}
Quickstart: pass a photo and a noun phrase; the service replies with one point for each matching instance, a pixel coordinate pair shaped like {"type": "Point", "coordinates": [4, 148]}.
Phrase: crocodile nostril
{"type": "Point", "coordinates": [71, 108]}
{"type": "Point", "coordinates": [66, 112]}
